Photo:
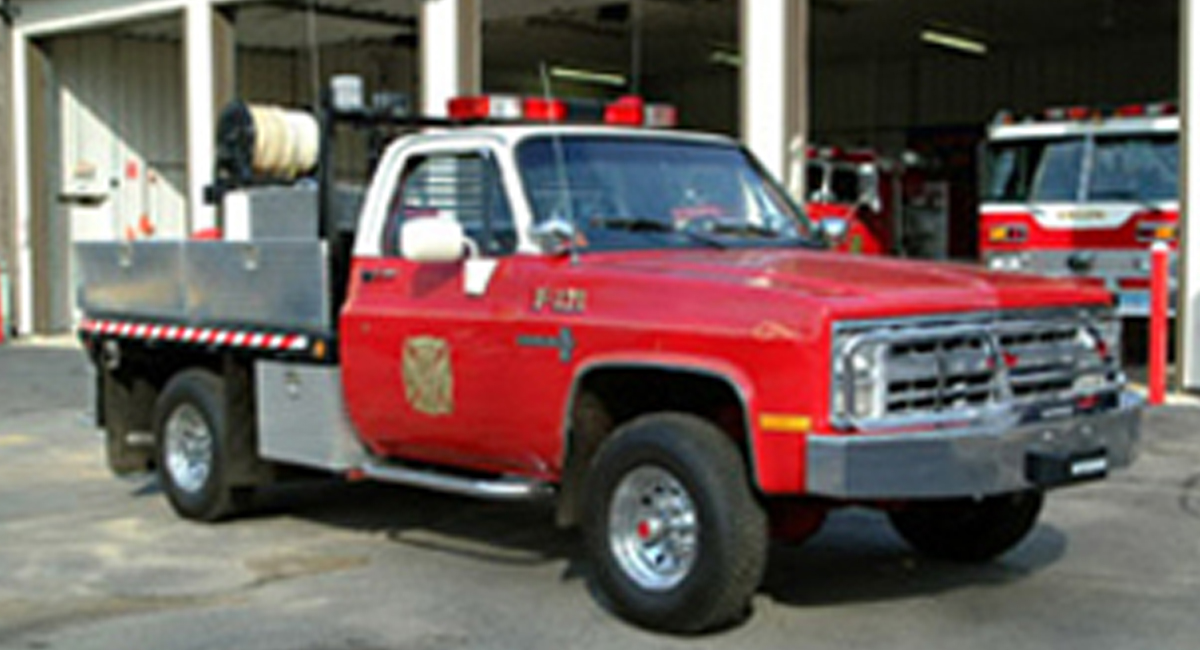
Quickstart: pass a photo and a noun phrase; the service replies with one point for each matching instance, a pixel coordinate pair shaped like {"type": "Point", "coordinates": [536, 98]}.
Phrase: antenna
{"type": "Point", "coordinates": [560, 165]}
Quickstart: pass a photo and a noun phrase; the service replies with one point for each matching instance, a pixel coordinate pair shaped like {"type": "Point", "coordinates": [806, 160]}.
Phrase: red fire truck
{"type": "Point", "coordinates": [853, 196]}
{"type": "Point", "coordinates": [1082, 192]}
{"type": "Point", "coordinates": [635, 322]}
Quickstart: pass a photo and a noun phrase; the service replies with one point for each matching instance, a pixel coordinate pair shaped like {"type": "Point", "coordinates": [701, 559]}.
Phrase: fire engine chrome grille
{"type": "Point", "coordinates": [901, 372]}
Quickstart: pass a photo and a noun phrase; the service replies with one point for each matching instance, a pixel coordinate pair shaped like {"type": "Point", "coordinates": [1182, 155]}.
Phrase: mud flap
{"type": "Point", "coordinates": [246, 467]}
{"type": "Point", "coordinates": [123, 408]}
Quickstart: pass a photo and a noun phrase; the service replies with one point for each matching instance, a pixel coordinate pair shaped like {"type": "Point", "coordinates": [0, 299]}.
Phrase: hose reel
{"type": "Point", "coordinates": [266, 144]}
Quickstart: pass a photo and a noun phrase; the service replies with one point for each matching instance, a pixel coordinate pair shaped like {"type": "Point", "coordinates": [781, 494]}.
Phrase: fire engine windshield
{"type": "Point", "coordinates": [1139, 168]}
{"type": "Point", "coordinates": [638, 192]}
{"type": "Point", "coordinates": [833, 183]}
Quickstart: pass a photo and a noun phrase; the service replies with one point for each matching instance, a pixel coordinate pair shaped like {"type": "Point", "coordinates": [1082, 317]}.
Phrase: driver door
{"type": "Point", "coordinates": [424, 359]}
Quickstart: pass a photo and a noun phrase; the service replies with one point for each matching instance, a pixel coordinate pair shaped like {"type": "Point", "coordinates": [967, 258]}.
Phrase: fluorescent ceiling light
{"type": "Point", "coordinates": [725, 57]}
{"type": "Point", "coordinates": [954, 42]}
{"type": "Point", "coordinates": [589, 76]}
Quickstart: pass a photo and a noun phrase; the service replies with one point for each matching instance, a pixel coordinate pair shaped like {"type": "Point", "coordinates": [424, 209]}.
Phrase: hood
{"type": "Point", "coordinates": [852, 285]}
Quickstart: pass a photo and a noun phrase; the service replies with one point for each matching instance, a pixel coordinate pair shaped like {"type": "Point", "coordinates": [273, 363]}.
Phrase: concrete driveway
{"type": "Point", "coordinates": [90, 561]}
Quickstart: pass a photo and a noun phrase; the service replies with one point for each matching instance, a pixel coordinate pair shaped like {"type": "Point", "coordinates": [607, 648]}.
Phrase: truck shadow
{"type": "Point", "coordinates": [505, 533]}
{"type": "Point", "coordinates": [855, 559]}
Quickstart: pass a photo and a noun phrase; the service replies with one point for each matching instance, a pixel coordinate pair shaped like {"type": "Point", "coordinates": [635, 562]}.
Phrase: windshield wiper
{"type": "Point", "coordinates": [647, 224]}
{"type": "Point", "coordinates": [632, 224]}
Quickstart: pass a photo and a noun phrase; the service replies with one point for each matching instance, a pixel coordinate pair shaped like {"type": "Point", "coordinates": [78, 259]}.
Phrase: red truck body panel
{"type": "Point", "coordinates": [731, 314]}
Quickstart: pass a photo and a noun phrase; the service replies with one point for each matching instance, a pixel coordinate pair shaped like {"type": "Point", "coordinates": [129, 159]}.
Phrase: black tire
{"type": "Point", "coordinates": [968, 530]}
{"type": "Point", "coordinates": [190, 395]}
{"type": "Point", "coordinates": [730, 524]}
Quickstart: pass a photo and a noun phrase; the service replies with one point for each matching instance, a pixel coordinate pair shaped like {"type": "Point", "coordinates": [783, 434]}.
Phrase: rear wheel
{"type": "Point", "coordinates": [193, 441]}
{"type": "Point", "coordinates": [675, 535]}
{"type": "Point", "coordinates": [968, 530]}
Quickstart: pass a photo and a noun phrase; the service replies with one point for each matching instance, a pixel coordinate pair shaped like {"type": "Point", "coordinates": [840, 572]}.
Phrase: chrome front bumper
{"type": "Point", "coordinates": [989, 458]}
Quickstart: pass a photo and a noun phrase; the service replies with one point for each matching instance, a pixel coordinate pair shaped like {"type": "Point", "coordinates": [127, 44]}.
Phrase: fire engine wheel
{"type": "Point", "coordinates": [676, 538]}
{"type": "Point", "coordinates": [191, 431]}
{"type": "Point", "coordinates": [968, 530]}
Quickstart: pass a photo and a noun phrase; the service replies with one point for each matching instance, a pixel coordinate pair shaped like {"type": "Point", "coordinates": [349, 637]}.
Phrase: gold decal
{"type": "Point", "coordinates": [428, 376]}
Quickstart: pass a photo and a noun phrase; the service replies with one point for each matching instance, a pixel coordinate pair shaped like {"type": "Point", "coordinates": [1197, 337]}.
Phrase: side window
{"type": "Point", "coordinates": [465, 187]}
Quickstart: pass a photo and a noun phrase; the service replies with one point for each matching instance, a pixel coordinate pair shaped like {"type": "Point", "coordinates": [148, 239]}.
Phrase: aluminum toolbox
{"type": "Point", "coordinates": [272, 284]}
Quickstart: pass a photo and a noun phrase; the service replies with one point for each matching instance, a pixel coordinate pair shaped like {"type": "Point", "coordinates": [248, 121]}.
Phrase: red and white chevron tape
{"type": "Point", "coordinates": [206, 336]}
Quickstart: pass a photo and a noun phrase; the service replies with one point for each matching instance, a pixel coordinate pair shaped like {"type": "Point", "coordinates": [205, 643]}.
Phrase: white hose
{"type": "Point", "coordinates": [287, 143]}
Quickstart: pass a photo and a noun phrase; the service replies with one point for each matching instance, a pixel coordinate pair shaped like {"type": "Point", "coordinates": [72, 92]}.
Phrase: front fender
{"type": "Point", "coordinates": [775, 460]}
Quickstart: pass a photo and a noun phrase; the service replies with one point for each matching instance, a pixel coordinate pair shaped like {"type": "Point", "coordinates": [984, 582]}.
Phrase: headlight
{"type": "Point", "coordinates": [859, 386]}
{"type": "Point", "coordinates": [1006, 263]}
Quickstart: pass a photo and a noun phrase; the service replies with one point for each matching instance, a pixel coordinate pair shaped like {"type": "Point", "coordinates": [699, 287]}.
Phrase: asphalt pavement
{"type": "Point", "coordinates": [90, 561]}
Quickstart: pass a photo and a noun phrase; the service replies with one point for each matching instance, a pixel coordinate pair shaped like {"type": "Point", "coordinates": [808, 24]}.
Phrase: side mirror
{"type": "Point", "coordinates": [834, 229]}
{"type": "Point", "coordinates": [428, 239]}
{"type": "Point", "coordinates": [871, 201]}
{"type": "Point", "coordinates": [553, 236]}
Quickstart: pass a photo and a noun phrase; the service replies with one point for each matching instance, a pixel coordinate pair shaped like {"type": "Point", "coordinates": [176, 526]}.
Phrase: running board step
{"type": "Point", "coordinates": [508, 488]}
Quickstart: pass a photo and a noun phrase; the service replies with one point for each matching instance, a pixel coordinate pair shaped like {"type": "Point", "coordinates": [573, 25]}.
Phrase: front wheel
{"type": "Point", "coordinates": [968, 530]}
{"type": "Point", "coordinates": [676, 538]}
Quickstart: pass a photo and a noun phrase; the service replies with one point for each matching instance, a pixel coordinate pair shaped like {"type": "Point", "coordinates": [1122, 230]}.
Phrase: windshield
{"type": "Point", "coordinates": [1140, 167]}
{"type": "Point", "coordinates": [1137, 168]}
{"type": "Point", "coordinates": [626, 192]}
{"type": "Point", "coordinates": [842, 187]}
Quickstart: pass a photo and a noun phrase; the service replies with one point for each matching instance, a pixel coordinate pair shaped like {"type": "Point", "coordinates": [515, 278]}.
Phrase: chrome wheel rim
{"type": "Point", "coordinates": [652, 529]}
{"type": "Point", "coordinates": [189, 448]}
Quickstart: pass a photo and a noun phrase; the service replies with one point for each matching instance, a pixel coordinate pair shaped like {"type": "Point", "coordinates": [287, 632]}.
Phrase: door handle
{"type": "Point", "coordinates": [375, 275]}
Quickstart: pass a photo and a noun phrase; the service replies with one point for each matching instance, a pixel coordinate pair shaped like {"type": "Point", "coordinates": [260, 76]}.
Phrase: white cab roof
{"type": "Point", "coordinates": [509, 136]}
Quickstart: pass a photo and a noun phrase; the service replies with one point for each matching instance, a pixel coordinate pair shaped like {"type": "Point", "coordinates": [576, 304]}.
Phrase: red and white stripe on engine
{"type": "Point", "coordinates": [204, 336]}
{"type": "Point", "coordinates": [1075, 226]}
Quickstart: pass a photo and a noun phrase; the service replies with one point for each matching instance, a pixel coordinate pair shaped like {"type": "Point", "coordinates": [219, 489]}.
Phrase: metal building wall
{"type": "Point", "coordinates": [122, 135]}
{"type": "Point", "coordinates": [111, 137]}
{"type": "Point", "coordinates": [284, 77]}
{"type": "Point", "coordinates": [875, 101]}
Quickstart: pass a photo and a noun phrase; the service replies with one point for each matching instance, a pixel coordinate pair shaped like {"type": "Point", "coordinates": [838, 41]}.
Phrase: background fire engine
{"type": "Point", "coordinates": [854, 196]}
{"type": "Point", "coordinates": [1085, 192]}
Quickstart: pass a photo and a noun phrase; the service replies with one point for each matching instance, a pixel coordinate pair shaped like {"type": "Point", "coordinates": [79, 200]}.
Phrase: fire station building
{"type": "Point", "coordinates": [107, 107]}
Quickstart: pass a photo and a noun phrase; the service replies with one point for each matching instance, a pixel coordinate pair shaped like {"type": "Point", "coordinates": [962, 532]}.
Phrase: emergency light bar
{"type": "Point", "coordinates": [843, 155]}
{"type": "Point", "coordinates": [626, 111]}
{"type": "Point", "coordinates": [1084, 113]}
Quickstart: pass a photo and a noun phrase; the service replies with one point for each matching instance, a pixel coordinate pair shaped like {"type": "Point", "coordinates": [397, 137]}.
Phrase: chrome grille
{"type": "Point", "coordinates": [893, 372]}
{"type": "Point", "coordinates": [938, 374]}
{"type": "Point", "coordinates": [1045, 360]}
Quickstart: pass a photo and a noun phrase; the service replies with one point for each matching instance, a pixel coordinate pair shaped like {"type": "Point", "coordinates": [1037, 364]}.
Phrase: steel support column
{"type": "Point", "coordinates": [775, 60]}
{"type": "Point", "coordinates": [451, 52]}
{"type": "Point", "coordinates": [208, 62]}
{"type": "Point", "coordinates": [22, 181]}
{"type": "Point", "coordinates": [1188, 321]}
{"type": "Point", "coordinates": [8, 207]}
